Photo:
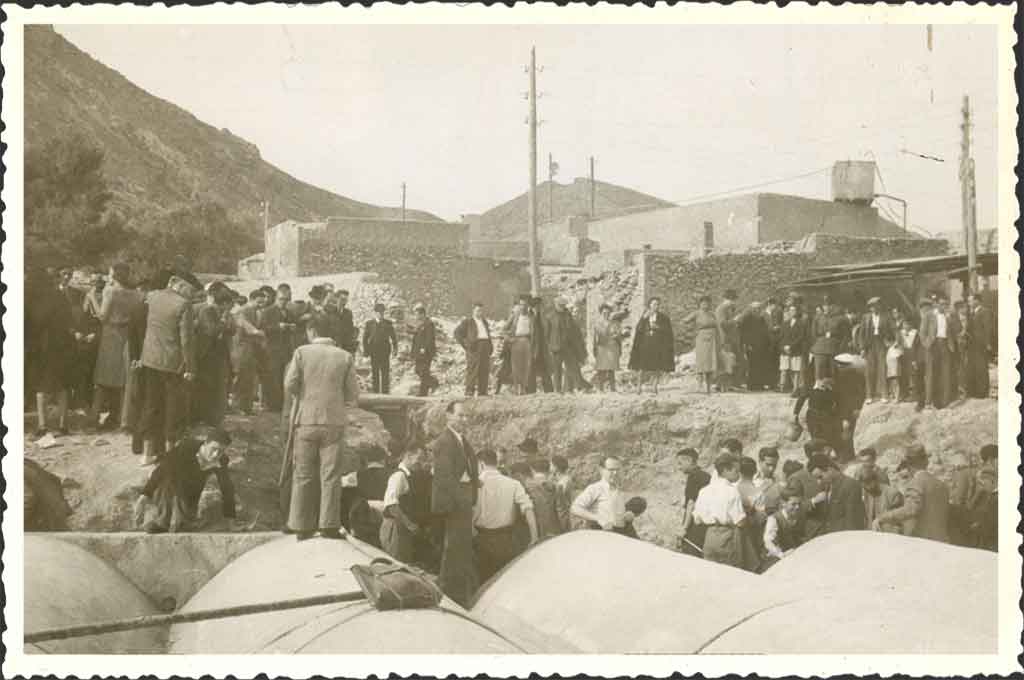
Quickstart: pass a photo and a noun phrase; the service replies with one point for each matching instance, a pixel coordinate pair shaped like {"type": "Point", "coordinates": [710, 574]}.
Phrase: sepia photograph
{"type": "Point", "coordinates": [472, 341]}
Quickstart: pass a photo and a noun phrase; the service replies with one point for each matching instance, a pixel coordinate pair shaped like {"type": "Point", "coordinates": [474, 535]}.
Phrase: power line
{"type": "Point", "coordinates": [753, 186]}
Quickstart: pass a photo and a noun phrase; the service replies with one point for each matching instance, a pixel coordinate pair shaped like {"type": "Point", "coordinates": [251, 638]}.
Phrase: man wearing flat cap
{"type": "Point", "coordinates": [876, 334]}
{"type": "Point", "coordinates": [168, 362]}
{"type": "Point", "coordinates": [424, 348]}
{"type": "Point", "coordinates": [380, 344]}
{"type": "Point", "coordinates": [925, 501]}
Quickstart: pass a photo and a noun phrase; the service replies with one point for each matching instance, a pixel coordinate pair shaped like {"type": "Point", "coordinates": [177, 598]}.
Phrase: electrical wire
{"type": "Point", "coordinates": [753, 186]}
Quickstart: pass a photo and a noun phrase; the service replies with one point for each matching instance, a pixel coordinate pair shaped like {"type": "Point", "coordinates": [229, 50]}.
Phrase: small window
{"type": "Point", "coordinates": [709, 235]}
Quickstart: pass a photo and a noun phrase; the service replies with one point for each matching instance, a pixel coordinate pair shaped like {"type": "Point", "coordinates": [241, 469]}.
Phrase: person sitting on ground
{"type": "Point", "coordinates": [602, 505]}
{"type": "Point", "coordinates": [925, 501]}
{"type": "Point", "coordinates": [494, 517]}
{"type": "Point", "coordinates": [782, 531]}
{"type": "Point", "coordinates": [176, 483]}
{"type": "Point", "coordinates": [879, 498]}
{"type": "Point", "coordinates": [719, 507]}
{"type": "Point", "coordinates": [841, 497]}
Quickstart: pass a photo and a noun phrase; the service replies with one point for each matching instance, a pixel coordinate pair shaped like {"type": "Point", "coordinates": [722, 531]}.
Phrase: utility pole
{"type": "Point", "coordinates": [266, 215]}
{"type": "Point", "coordinates": [593, 188]}
{"type": "Point", "coordinates": [968, 197]}
{"type": "Point", "coordinates": [551, 188]}
{"type": "Point", "coordinates": [534, 246]}
{"type": "Point", "coordinates": [403, 201]}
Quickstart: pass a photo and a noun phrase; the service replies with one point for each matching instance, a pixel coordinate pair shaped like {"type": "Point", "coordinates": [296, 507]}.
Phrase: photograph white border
{"type": "Point", "coordinates": [1010, 619]}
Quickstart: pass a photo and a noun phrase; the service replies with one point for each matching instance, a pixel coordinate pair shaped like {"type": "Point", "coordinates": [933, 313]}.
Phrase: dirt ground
{"type": "Point", "coordinates": [101, 477]}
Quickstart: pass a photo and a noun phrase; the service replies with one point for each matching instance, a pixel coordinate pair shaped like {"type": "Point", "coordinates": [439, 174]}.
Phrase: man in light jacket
{"type": "Point", "coordinates": [321, 379]}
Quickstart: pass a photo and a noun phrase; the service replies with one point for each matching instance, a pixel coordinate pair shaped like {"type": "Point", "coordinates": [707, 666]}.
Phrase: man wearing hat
{"type": "Point", "coordinates": [380, 344]}
{"type": "Point", "coordinates": [424, 348]}
{"type": "Point", "coordinates": [876, 334]}
{"type": "Point", "coordinates": [830, 332]}
{"type": "Point", "coordinates": [935, 338]}
{"type": "Point", "coordinates": [925, 501]}
{"type": "Point", "coordinates": [168, 362]}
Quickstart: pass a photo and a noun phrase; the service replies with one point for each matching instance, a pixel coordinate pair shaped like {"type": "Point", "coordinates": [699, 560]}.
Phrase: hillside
{"type": "Point", "coordinates": [158, 156]}
{"type": "Point", "coordinates": [510, 218]}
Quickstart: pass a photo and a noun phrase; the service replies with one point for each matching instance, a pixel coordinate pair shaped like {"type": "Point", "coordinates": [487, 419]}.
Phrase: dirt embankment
{"type": "Point", "coordinates": [102, 478]}
{"type": "Point", "coordinates": [647, 431]}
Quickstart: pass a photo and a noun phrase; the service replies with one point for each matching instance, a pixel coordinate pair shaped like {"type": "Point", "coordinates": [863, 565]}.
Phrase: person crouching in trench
{"type": "Point", "coordinates": [178, 480]}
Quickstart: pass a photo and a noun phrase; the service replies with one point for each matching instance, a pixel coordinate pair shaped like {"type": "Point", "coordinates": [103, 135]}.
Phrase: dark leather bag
{"type": "Point", "coordinates": [389, 585]}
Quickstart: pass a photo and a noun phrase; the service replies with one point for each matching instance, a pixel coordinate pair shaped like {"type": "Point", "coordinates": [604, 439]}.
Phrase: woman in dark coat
{"type": "Point", "coordinates": [653, 346]}
{"type": "Point", "coordinates": [50, 345]}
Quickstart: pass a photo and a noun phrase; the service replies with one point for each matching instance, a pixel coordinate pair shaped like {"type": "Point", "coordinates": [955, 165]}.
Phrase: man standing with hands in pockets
{"type": "Point", "coordinates": [602, 504]}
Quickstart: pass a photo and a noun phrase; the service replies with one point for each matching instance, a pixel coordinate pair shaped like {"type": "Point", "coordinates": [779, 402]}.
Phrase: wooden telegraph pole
{"type": "Point", "coordinates": [551, 188]}
{"type": "Point", "coordinates": [403, 201]}
{"type": "Point", "coordinates": [534, 246]}
{"type": "Point", "coordinates": [968, 196]}
{"type": "Point", "coordinates": [593, 188]}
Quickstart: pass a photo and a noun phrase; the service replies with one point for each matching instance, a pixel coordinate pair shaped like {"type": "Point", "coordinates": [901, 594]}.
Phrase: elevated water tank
{"type": "Point", "coordinates": [67, 585]}
{"type": "Point", "coordinates": [285, 568]}
{"type": "Point", "coordinates": [853, 181]}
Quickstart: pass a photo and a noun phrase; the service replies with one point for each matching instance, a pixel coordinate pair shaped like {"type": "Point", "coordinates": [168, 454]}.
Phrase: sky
{"type": "Point", "coordinates": [679, 112]}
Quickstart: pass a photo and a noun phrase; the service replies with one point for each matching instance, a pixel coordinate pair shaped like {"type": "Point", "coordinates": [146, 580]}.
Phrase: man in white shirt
{"type": "Point", "coordinates": [494, 517]}
{"type": "Point", "coordinates": [602, 504]}
{"type": "Point", "coordinates": [719, 507]}
{"type": "Point", "coordinates": [398, 531]}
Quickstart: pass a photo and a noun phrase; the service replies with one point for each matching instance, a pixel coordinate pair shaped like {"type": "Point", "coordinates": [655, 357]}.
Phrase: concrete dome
{"type": "Point", "coordinates": [599, 592]}
{"type": "Point", "coordinates": [285, 568]}
{"type": "Point", "coordinates": [67, 585]}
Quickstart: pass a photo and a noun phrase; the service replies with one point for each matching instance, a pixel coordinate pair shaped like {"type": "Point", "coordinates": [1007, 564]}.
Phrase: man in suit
{"type": "Point", "coordinates": [565, 348]}
{"type": "Point", "coordinates": [979, 347]}
{"type": "Point", "coordinates": [213, 331]}
{"type": "Point", "coordinates": [168, 362]}
{"type": "Point", "coordinates": [453, 495]}
{"type": "Point", "coordinates": [934, 336]}
{"type": "Point", "coordinates": [830, 331]}
{"type": "Point", "coordinates": [321, 379]}
{"type": "Point", "coordinates": [474, 334]}
{"type": "Point", "coordinates": [842, 497]}
{"type": "Point", "coordinates": [424, 349]}
{"type": "Point", "coordinates": [876, 334]}
{"type": "Point", "coordinates": [380, 344]}
{"type": "Point", "coordinates": [925, 501]}
{"type": "Point", "coordinates": [541, 368]}
{"type": "Point", "coordinates": [345, 333]}
{"type": "Point", "coordinates": [278, 324]}
{"type": "Point", "coordinates": [248, 347]}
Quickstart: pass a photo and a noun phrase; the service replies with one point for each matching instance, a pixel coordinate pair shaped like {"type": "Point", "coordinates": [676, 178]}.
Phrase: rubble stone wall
{"type": "Point", "coordinates": [680, 281]}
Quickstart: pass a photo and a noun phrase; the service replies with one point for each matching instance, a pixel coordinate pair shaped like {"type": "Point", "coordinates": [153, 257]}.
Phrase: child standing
{"type": "Point", "coordinates": [893, 366]}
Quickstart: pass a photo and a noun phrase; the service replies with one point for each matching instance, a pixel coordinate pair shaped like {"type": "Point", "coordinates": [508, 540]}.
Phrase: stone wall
{"type": "Point", "coordinates": [680, 281]}
{"type": "Point", "coordinates": [500, 250]}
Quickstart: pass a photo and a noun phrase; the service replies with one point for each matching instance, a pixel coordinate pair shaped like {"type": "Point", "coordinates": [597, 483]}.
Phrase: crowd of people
{"type": "Point", "coordinates": [748, 514]}
{"type": "Point", "coordinates": [164, 358]}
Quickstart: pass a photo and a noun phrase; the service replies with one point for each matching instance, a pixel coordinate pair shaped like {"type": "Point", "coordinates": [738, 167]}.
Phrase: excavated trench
{"type": "Point", "coordinates": [79, 577]}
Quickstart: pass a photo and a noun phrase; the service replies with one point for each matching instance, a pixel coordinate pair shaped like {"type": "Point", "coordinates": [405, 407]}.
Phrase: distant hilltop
{"type": "Point", "coordinates": [511, 218]}
{"type": "Point", "coordinates": [159, 156]}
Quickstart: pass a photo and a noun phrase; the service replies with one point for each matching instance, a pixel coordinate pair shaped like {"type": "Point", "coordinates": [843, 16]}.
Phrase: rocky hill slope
{"type": "Point", "coordinates": [510, 218]}
{"type": "Point", "coordinates": [158, 155]}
